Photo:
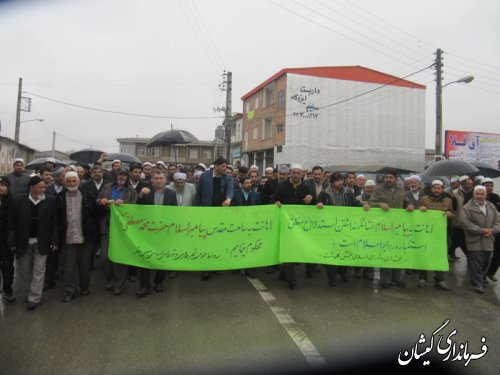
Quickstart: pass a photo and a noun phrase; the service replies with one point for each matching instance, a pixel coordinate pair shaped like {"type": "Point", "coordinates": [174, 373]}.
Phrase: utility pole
{"type": "Point", "coordinates": [54, 145]}
{"type": "Point", "coordinates": [439, 104]}
{"type": "Point", "coordinates": [18, 111]}
{"type": "Point", "coordinates": [228, 120]}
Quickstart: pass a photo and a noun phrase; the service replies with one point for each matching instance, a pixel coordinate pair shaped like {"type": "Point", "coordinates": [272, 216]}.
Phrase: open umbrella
{"type": "Point", "coordinates": [172, 137]}
{"type": "Point", "coordinates": [339, 168]}
{"type": "Point", "coordinates": [39, 163]}
{"type": "Point", "coordinates": [453, 167]}
{"type": "Point", "coordinates": [123, 157]}
{"type": "Point", "coordinates": [86, 155]}
{"type": "Point", "coordinates": [381, 169]}
{"type": "Point", "coordinates": [485, 170]}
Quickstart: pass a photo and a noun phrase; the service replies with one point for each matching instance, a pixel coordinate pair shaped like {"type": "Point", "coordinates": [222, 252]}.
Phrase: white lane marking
{"type": "Point", "coordinates": [298, 336]}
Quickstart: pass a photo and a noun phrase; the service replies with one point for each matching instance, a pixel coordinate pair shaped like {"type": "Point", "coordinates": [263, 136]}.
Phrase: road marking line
{"type": "Point", "coordinates": [298, 336]}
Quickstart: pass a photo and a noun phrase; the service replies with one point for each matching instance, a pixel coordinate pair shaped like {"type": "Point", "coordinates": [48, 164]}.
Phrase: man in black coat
{"type": "Point", "coordinates": [18, 178]}
{"type": "Point", "coordinates": [6, 256]}
{"type": "Point", "coordinates": [316, 184]}
{"type": "Point", "coordinates": [135, 170]}
{"type": "Point", "coordinates": [292, 191]}
{"type": "Point", "coordinates": [32, 234]}
{"type": "Point", "coordinates": [158, 195]}
{"type": "Point", "coordinates": [94, 186]}
{"type": "Point", "coordinates": [336, 195]}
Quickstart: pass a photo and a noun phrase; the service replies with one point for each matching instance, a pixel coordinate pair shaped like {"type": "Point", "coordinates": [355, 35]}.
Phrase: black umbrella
{"type": "Point", "coordinates": [453, 167]}
{"type": "Point", "coordinates": [485, 169]}
{"type": "Point", "coordinates": [381, 169]}
{"type": "Point", "coordinates": [123, 157]}
{"type": "Point", "coordinates": [39, 163]}
{"type": "Point", "coordinates": [339, 168]}
{"type": "Point", "coordinates": [172, 137]}
{"type": "Point", "coordinates": [87, 155]}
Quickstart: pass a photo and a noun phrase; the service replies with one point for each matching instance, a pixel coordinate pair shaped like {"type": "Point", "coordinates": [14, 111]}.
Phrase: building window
{"type": "Point", "coordinates": [207, 154]}
{"type": "Point", "coordinates": [127, 149]}
{"type": "Point", "coordinates": [155, 151]}
{"type": "Point", "coordinates": [255, 133]}
{"type": "Point", "coordinates": [280, 128]}
{"type": "Point", "coordinates": [267, 128]}
{"type": "Point", "coordinates": [247, 106]}
{"type": "Point", "coordinates": [246, 136]}
{"type": "Point", "coordinates": [268, 96]}
{"type": "Point", "coordinates": [281, 99]}
{"type": "Point", "coordinates": [257, 102]}
{"type": "Point", "coordinates": [141, 151]}
{"type": "Point", "coordinates": [279, 149]}
{"type": "Point", "coordinates": [193, 153]}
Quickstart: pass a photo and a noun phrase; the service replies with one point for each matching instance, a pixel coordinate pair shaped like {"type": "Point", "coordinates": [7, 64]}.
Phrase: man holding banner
{"type": "Point", "coordinates": [437, 200]}
{"type": "Point", "coordinates": [114, 193]}
{"type": "Point", "coordinates": [292, 191]}
{"type": "Point", "coordinates": [215, 189]}
{"type": "Point", "coordinates": [158, 196]}
{"type": "Point", "coordinates": [336, 195]}
{"type": "Point", "coordinates": [386, 196]}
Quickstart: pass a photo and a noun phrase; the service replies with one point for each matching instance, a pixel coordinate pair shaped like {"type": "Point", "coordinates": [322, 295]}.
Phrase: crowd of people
{"type": "Point", "coordinates": [53, 224]}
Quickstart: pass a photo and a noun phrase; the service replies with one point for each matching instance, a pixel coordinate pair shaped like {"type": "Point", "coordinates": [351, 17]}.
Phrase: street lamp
{"type": "Point", "coordinates": [18, 126]}
{"type": "Point", "coordinates": [35, 119]}
{"type": "Point", "coordinates": [439, 110]}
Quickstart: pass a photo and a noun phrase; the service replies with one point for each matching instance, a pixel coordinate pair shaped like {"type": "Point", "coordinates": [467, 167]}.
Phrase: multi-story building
{"type": "Point", "coordinates": [236, 137]}
{"type": "Point", "coordinates": [188, 154]}
{"type": "Point", "coordinates": [334, 115]}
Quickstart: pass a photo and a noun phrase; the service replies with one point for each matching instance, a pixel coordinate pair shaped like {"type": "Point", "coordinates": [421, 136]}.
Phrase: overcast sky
{"type": "Point", "coordinates": [165, 58]}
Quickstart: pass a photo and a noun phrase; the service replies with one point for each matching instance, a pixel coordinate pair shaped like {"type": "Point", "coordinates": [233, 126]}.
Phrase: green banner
{"type": "Point", "coordinates": [194, 238]}
{"type": "Point", "coordinates": [220, 238]}
{"type": "Point", "coordinates": [354, 237]}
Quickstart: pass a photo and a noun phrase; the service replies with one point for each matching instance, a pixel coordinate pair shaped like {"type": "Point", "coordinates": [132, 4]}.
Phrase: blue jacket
{"type": "Point", "coordinates": [204, 190]}
{"type": "Point", "coordinates": [253, 199]}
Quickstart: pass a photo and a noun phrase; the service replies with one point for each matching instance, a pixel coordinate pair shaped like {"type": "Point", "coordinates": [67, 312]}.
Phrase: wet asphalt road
{"type": "Point", "coordinates": [226, 326]}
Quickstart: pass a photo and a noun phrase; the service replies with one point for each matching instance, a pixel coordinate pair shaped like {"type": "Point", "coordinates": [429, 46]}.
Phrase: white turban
{"type": "Point", "coordinates": [178, 176]}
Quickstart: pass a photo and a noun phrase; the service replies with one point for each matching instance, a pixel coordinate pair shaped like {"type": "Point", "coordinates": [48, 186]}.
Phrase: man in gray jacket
{"type": "Point", "coordinates": [18, 178]}
{"type": "Point", "coordinates": [480, 221]}
{"type": "Point", "coordinates": [386, 196]}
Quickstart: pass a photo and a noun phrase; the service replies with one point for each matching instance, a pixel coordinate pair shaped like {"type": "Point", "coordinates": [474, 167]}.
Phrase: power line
{"type": "Point", "coordinates": [377, 88]}
{"type": "Point", "coordinates": [119, 112]}
{"type": "Point", "coordinates": [371, 30]}
{"type": "Point", "coordinates": [336, 32]}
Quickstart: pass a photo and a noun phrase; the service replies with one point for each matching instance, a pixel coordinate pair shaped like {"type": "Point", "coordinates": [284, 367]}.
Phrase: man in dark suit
{"type": "Point", "coordinates": [52, 267]}
{"type": "Point", "coordinates": [316, 184]}
{"type": "Point", "coordinates": [94, 186]}
{"type": "Point", "coordinates": [32, 234]}
{"type": "Point", "coordinates": [246, 196]}
{"type": "Point", "coordinates": [292, 191]}
{"type": "Point", "coordinates": [215, 189]}
{"type": "Point", "coordinates": [6, 256]}
{"type": "Point", "coordinates": [158, 195]}
{"type": "Point", "coordinates": [135, 170]}
{"type": "Point", "coordinates": [56, 187]}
